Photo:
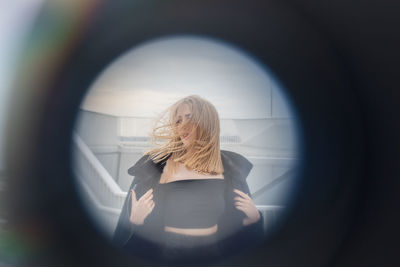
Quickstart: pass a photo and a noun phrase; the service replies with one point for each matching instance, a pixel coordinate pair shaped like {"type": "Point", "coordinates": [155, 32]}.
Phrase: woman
{"type": "Point", "coordinates": [189, 201]}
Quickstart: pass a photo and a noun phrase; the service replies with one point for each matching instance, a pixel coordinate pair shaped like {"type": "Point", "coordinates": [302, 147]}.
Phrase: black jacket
{"type": "Point", "coordinates": [233, 235]}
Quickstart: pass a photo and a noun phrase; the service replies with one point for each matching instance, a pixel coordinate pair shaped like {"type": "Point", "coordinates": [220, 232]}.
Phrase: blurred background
{"type": "Point", "coordinates": [16, 18]}
{"type": "Point", "coordinates": [350, 222]}
{"type": "Point", "coordinates": [117, 115]}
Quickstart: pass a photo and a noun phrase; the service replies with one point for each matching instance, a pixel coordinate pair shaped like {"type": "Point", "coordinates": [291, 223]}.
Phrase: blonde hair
{"type": "Point", "coordinates": [203, 153]}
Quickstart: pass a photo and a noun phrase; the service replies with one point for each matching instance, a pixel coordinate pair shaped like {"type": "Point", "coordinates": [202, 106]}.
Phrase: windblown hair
{"type": "Point", "coordinates": [203, 153]}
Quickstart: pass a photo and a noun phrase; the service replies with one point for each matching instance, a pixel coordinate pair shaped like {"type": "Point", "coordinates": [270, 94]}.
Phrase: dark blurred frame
{"type": "Point", "coordinates": [308, 53]}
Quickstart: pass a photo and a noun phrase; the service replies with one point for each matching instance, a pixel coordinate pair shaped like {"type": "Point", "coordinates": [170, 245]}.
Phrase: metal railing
{"type": "Point", "coordinates": [271, 214]}
{"type": "Point", "coordinates": [89, 170]}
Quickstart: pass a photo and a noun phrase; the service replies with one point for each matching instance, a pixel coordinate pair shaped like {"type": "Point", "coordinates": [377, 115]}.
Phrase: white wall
{"type": "Point", "coordinates": [98, 129]}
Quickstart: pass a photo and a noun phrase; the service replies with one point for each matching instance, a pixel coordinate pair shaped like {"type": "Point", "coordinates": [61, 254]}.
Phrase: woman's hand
{"type": "Point", "coordinates": [141, 208]}
{"type": "Point", "coordinates": [244, 203]}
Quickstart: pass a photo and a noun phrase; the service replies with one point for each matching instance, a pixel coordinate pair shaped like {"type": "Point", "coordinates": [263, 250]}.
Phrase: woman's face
{"type": "Point", "coordinates": [186, 132]}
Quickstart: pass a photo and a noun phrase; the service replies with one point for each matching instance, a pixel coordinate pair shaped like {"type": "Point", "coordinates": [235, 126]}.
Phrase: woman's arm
{"type": "Point", "coordinates": [253, 220]}
{"type": "Point", "coordinates": [244, 203]}
{"type": "Point", "coordinates": [125, 228]}
{"type": "Point", "coordinates": [127, 222]}
{"type": "Point", "coordinates": [252, 232]}
{"type": "Point", "coordinates": [238, 232]}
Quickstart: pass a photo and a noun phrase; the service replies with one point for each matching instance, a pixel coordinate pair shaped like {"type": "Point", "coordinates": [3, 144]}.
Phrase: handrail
{"type": "Point", "coordinates": [104, 215]}
{"type": "Point", "coordinates": [103, 173]}
{"type": "Point", "coordinates": [88, 168]}
{"type": "Point", "coordinates": [287, 175]}
{"type": "Point", "coordinates": [96, 202]}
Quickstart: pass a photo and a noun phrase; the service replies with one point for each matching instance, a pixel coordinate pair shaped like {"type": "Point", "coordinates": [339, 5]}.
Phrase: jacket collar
{"type": "Point", "coordinates": [235, 166]}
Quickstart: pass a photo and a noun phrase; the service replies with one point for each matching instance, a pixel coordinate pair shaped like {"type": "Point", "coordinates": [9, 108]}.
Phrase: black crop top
{"type": "Point", "coordinates": [193, 203]}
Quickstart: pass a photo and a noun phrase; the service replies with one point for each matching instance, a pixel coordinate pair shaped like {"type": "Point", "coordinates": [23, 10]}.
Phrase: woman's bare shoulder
{"type": "Point", "coordinates": [166, 173]}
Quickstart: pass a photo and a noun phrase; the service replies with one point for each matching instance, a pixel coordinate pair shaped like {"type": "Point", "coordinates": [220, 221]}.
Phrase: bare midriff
{"type": "Point", "coordinates": [192, 231]}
